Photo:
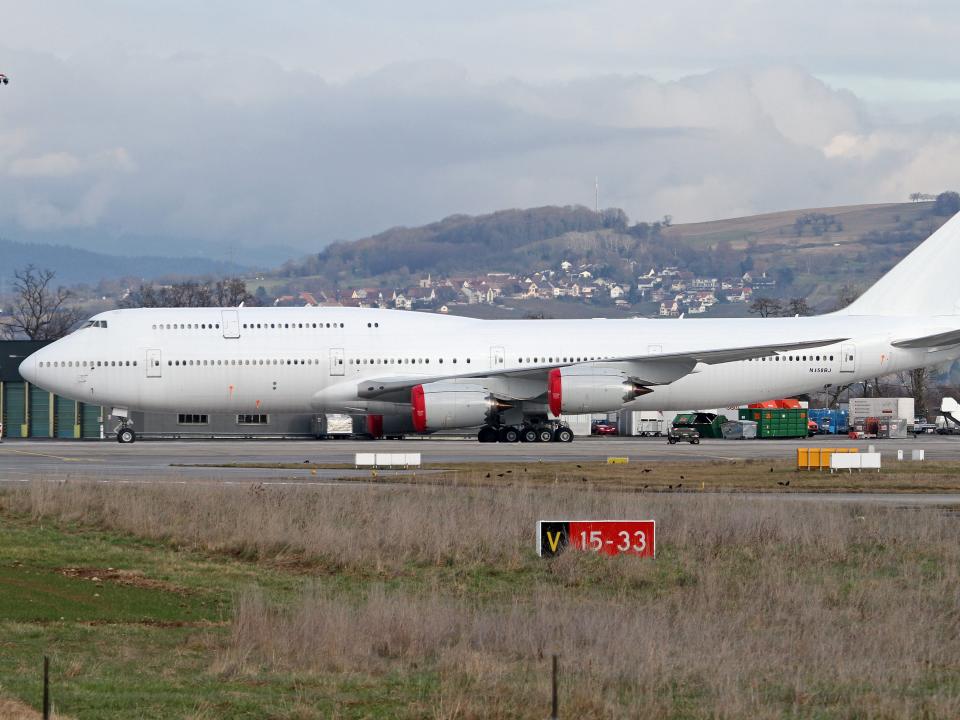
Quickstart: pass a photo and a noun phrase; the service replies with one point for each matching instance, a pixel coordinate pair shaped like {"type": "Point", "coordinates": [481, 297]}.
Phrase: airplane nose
{"type": "Point", "coordinates": [28, 369]}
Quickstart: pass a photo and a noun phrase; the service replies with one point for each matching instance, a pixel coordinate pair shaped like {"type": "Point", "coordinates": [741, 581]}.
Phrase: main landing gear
{"type": "Point", "coordinates": [125, 433]}
{"type": "Point", "coordinates": [548, 432]}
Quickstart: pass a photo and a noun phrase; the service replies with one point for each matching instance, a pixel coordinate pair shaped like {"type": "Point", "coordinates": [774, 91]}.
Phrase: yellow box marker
{"type": "Point", "coordinates": [617, 460]}
{"type": "Point", "coordinates": [819, 458]}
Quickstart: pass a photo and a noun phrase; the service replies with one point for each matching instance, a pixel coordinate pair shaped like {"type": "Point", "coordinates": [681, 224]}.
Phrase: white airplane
{"type": "Point", "coordinates": [418, 372]}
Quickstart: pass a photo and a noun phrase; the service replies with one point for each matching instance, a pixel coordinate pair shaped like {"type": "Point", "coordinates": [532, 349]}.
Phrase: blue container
{"type": "Point", "coordinates": [830, 422]}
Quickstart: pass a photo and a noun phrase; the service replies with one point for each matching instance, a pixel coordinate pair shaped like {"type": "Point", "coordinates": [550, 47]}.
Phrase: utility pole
{"type": "Point", "coordinates": [596, 194]}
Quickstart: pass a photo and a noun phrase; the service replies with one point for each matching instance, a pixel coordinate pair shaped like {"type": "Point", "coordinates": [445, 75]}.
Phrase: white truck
{"type": "Point", "coordinates": [332, 425]}
{"type": "Point", "coordinates": [642, 423]}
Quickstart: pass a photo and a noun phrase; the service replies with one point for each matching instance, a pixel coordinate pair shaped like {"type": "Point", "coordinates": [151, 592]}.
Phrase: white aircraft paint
{"type": "Point", "coordinates": [268, 360]}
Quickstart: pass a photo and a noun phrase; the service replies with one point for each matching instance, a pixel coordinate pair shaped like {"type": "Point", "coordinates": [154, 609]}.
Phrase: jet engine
{"type": "Point", "coordinates": [596, 391]}
{"type": "Point", "coordinates": [442, 405]}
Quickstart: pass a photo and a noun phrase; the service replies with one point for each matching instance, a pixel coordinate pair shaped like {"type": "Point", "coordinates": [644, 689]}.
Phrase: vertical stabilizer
{"type": "Point", "coordinates": [923, 283]}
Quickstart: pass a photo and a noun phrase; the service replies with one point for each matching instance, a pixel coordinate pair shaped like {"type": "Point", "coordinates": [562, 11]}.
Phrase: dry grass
{"type": "Point", "coordinates": [756, 475]}
{"type": "Point", "coordinates": [760, 607]}
{"type": "Point", "coordinates": [11, 709]}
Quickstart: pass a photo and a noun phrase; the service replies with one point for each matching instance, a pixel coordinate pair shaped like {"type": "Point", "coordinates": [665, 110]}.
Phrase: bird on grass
{"type": "Point", "coordinates": [488, 474]}
{"type": "Point", "coordinates": [646, 470]}
{"type": "Point", "coordinates": [782, 483]}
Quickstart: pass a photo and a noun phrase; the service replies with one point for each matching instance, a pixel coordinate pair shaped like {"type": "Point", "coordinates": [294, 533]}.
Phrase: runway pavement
{"type": "Point", "coordinates": [25, 459]}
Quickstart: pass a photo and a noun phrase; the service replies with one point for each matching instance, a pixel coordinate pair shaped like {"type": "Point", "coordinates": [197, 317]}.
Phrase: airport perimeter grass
{"type": "Point", "coordinates": [755, 475]}
{"type": "Point", "coordinates": [357, 601]}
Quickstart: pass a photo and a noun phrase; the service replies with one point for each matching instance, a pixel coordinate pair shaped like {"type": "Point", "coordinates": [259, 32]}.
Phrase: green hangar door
{"type": "Point", "coordinates": [66, 411]}
{"type": "Point", "coordinates": [15, 412]}
{"type": "Point", "coordinates": [90, 421]}
{"type": "Point", "coordinates": [39, 412]}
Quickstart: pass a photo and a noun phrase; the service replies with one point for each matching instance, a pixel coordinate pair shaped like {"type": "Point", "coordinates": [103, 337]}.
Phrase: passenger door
{"type": "Point", "coordinates": [497, 358]}
{"type": "Point", "coordinates": [154, 363]}
{"type": "Point", "coordinates": [230, 323]}
{"type": "Point", "coordinates": [848, 357]}
{"type": "Point", "coordinates": [336, 361]}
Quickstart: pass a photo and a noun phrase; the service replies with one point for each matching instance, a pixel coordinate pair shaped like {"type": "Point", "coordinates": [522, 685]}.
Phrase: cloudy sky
{"type": "Point", "coordinates": [182, 126]}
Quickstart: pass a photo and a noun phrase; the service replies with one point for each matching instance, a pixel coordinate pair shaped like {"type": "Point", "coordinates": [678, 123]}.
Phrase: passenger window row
{"type": "Point", "coordinates": [214, 363]}
{"type": "Point", "coordinates": [561, 359]}
{"type": "Point", "coordinates": [398, 361]}
{"type": "Point", "coordinates": [290, 326]}
{"type": "Point", "coordinates": [88, 363]}
{"type": "Point", "coordinates": [187, 326]}
{"type": "Point", "coordinates": [794, 358]}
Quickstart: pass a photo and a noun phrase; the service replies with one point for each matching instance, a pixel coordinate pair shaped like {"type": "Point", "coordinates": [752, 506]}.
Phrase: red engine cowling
{"type": "Point", "coordinates": [582, 393]}
{"type": "Point", "coordinates": [375, 426]}
{"type": "Point", "coordinates": [439, 406]}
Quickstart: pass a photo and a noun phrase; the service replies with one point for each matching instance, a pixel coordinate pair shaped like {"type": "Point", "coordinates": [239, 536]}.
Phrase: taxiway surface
{"type": "Point", "coordinates": [25, 459]}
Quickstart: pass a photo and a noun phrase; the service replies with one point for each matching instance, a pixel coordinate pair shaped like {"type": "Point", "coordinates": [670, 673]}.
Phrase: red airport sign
{"type": "Point", "coordinates": [607, 537]}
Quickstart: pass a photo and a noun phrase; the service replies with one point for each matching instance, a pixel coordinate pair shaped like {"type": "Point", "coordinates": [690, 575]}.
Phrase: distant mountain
{"type": "Point", "coordinates": [459, 243]}
{"type": "Point", "coordinates": [73, 265]}
{"type": "Point", "coordinates": [811, 253]}
{"type": "Point", "coordinates": [267, 254]}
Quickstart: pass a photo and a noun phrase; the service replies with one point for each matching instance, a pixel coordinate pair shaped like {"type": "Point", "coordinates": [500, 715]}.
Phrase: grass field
{"type": "Point", "coordinates": [756, 475]}
{"type": "Point", "coordinates": [412, 601]}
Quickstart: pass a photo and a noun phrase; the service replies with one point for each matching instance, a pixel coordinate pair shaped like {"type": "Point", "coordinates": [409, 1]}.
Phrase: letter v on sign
{"type": "Point", "coordinates": [552, 537]}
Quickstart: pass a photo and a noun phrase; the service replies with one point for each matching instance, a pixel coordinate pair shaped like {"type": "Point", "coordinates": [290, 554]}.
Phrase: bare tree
{"type": "Point", "coordinates": [231, 292]}
{"type": "Point", "coordinates": [797, 306]}
{"type": "Point", "coordinates": [766, 307]}
{"type": "Point", "coordinates": [917, 384]}
{"type": "Point", "coordinates": [224, 293]}
{"type": "Point", "coordinates": [38, 311]}
{"type": "Point", "coordinates": [846, 296]}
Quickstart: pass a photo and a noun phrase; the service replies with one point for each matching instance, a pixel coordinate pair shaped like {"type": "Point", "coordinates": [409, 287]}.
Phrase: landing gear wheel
{"type": "Point", "coordinates": [487, 434]}
{"type": "Point", "coordinates": [509, 435]}
{"type": "Point", "coordinates": [544, 435]}
{"type": "Point", "coordinates": [126, 435]}
{"type": "Point", "coordinates": [528, 434]}
{"type": "Point", "coordinates": [564, 435]}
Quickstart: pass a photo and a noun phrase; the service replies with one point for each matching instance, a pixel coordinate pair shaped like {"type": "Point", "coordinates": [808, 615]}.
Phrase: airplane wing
{"type": "Point", "coordinates": [939, 340]}
{"type": "Point", "coordinates": [529, 381]}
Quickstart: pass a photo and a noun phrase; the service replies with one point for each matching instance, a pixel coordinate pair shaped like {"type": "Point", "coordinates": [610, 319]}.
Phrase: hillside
{"type": "Point", "coordinates": [811, 253]}
{"type": "Point", "coordinates": [75, 266]}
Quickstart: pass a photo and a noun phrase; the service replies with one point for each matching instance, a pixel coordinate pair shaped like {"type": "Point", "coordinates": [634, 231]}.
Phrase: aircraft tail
{"type": "Point", "coordinates": [923, 283]}
{"type": "Point", "coordinates": [949, 405]}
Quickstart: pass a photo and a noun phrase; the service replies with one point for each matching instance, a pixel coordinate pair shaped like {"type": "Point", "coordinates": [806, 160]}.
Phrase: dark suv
{"type": "Point", "coordinates": [685, 434]}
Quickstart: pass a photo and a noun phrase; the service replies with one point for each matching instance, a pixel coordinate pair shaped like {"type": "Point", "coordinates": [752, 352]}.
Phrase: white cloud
{"type": "Point", "coordinates": [49, 165]}
{"type": "Point", "coordinates": [234, 149]}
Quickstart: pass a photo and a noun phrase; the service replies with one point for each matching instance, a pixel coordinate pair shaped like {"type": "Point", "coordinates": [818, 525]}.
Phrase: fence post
{"type": "Point", "coordinates": [555, 712]}
{"type": "Point", "coordinates": [46, 688]}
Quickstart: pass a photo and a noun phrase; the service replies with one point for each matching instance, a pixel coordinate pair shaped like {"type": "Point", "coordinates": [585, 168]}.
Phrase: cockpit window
{"type": "Point", "coordinates": [94, 323]}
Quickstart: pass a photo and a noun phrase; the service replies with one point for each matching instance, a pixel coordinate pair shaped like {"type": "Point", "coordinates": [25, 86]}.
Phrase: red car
{"type": "Point", "coordinates": [604, 429]}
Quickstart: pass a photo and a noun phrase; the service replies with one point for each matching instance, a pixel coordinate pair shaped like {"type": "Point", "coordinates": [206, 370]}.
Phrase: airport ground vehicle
{"type": "Point", "coordinates": [603, 428]}
{"type": "Point", "coordinates": [683, 434]}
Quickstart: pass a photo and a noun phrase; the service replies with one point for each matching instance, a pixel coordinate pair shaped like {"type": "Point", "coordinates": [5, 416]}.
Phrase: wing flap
{"type": "Point", "coordinates": [528, 381]}
{"type": "Point", "coordinates": [937, 340]}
